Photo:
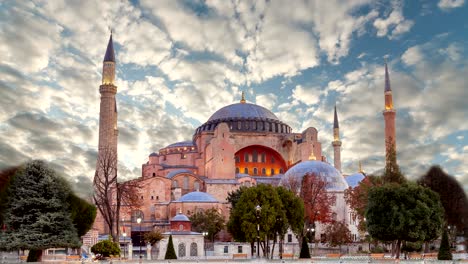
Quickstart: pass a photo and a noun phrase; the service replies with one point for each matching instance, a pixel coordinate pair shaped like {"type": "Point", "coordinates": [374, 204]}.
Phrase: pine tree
{"type": "Point", "coordinates": [305, 253]}
{"type": "Point", "coordinates": [444, 249]}
{"type": "Point", "coordinates": [37, 215]}
{"type": "Point", "coordinates": [170, 252]}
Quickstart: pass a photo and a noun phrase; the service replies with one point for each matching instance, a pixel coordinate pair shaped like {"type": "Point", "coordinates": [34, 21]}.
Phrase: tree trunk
{"type": "Point", "coordinates": [426, 247]}
{"type": "Point", "coordinates": [398, 249]}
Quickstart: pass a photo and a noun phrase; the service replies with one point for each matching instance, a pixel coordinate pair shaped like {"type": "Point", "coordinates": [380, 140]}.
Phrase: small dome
{"type": "Point", "coordinates": [188, 143]}
{"type": "Point", "coordinates": [154, 154]}
{"type": "Point", "coordinates": [180, 218]}
{"type": "Point", "coordinates": [244, 111]}
{"type": "Point", "coordinates": [335, 180]}
{"type": "Point", "coordinates": [198, 197]}
{"type": "Point", "coordinates": [353, 180]}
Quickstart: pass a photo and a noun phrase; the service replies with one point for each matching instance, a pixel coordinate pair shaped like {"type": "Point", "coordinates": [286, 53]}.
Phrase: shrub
{"type": "Point", "coordinates": [305, 253]}
{"type": "Point", "coordinates": [106, 248]}
{"type": "Point", "coordinates": [170, 252]}
{"type": "Point", "coordinates": [444, 250]}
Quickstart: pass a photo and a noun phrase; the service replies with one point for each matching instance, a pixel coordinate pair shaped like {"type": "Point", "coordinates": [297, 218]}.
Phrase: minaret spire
{"type": "Point", "coordinates": [108, 67]}
{"type": "Point", "coordinates": [336, 143]}
{"type": "Point", "coordinates": [389, 117]}
{"type": "Point", "coordinates": [242, 101]}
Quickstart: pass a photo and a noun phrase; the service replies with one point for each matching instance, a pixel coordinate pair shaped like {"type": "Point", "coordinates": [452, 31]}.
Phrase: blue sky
{"type": "Point", "coordinates": [180, 61]}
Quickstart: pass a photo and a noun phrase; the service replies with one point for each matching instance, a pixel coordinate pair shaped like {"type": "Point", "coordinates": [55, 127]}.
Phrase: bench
{"type": "Point", "coordinates": [73, 257]}
{"type": "Point", "coordinates": [239, 255]}
{"type": "Point", "coordinates": [377, 255]}
{"type": "Point", "coordinates": [415, 256]}
{"type": "Point", "coordinates": [333, 255]}
{"type": "Point", "coordinates": [24, 258]}
{"type": "Point", "coordinates": [430, 256]}
{"type": "Point", "coordinates": [288, 255]}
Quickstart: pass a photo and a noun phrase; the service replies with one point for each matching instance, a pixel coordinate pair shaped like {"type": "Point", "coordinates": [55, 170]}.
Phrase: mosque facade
{"type": "Point", "coordinates": [242, 144]}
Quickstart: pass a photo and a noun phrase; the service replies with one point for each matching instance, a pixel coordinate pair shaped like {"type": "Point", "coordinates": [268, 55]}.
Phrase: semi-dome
{"type": "Point", "coordinates": [335, 180]}
{"type": "Point", "coordinates": [188, 143]}
{"type": "Point", "coordinates": [245, 117]}
{"type": "Point", "coordinates": [197, 197]}
{"type": "Point", "coordinates": [243, 110]}
{"type": "Point", "coordinates": [353, 180]}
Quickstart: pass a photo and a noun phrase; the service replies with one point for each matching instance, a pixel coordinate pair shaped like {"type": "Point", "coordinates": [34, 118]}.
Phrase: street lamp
{"type": "Point", "coordinates": [204, 245]}
{"type": "Point", "coordinates": [257, 210]}
{"type": "Point", "coordinates": [125, 243]}
{"type": "Point", "coordinates": [139, 222]}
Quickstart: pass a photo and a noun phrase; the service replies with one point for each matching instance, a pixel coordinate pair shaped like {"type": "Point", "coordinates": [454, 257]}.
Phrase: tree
{"type": "Point", "coordinates": [444, 249]}
{"type": "Point", "coordinates": [37, 214]}
{"type": "Point", "coordinates": [109, 195]}
{"type": "Point", "coordinates": [82, 214]}
{"type": "Point", "coordinates": [392, 171]}
{"type": "Point", "coordinates": [403, 213]}
{"type": "Point", "coordinates": [6, 177]}
{"type": "Point", "coordinates": [170, 252]}
{"type": "Point", "coordinates": [452, 196]}
{"type": "Point", "coordinates": [337, 234]}
{"type": "Point", "coordinates": [357, 198]}
{"type": "Point", "coordinates": [106, 248]}
{"type": "Point", "coordinates": [210, 221]}
{"type": "Point", "coordinates": [305, 253]}
{"type": "Point", "coordinates": [153, 238]}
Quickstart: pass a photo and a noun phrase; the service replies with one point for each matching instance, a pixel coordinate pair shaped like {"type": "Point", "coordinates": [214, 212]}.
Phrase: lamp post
{"type": "Point", "coordinates": [139, 222]}
{"type": "Point", "coordinates": [204, 245]}
{"type": "Point", "coordinates": [257, 210]}
{"type": "Point", "coordinates": [125, 243]}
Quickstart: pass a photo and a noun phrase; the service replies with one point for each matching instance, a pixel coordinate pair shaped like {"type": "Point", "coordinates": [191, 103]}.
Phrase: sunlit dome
{"type": "Point", "coordinates": [353, 180]}
{"type": "Point", "coordinates": [244, 111]}
{"type": "Point", "coordinates": [181, 218]}
{"type": "Point", "coordinates": [335, 180]}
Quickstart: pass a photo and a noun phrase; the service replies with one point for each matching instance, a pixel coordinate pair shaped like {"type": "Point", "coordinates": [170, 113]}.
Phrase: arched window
{"type": "Point", "coordinates": [263, 157]}
{"type": "Point", "coordinates": [254, 125]}
{"type": "Point", "coordinates": [246, 157]}
{"type": "Point", "coordinates": [267, 126]}
{"type": "Point", "coordinates": [181, 250]}
{"type": "Point", "coordinates": [181, 227]}
{"type": "Point", "coordinates": [193, 249]}
{"type": "Point", "coordinates": [186, 182]}
{"type": "Point", "coordinates": [175, 184]}
{"type": "Point", "coordinates": [281, 171]}
{"type": "Point", "coordinates": [237, 169]}
{"type": "Point", "coordinates": [272, 172]}
{"type": "Point", "coordinates": [137, 214]}
{"type": "Point", "coordinates": [263, 171]}
{"type": "Point", "coordinates": [237, 159]}
{"type": "Point", "coordinates": [246, 171]}
{"type": "Point", "coordinates": [154, 174]}
{"type": "Point", "coordinates": [259, 125]}
{"type": "Point", "coordinates": [239, 125]}
{"type": "Point", "coordinates": [254, 156]}
{"type": "Point", "coordinates": [272, 159]}
{"type": "Point", "coordinates": [255, 171]}
{"type": "Point", "coordinates": [196, 185]}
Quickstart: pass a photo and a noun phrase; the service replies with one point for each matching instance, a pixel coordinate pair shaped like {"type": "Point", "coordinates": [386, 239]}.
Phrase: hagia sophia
{"type": "Point", "coordinates": [241, 144]}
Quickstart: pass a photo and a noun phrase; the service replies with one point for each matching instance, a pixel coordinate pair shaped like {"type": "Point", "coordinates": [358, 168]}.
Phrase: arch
{"type": "Point", "coordinates": [263, 171]}
{"type": "Point", "coordinates": [237, 170]}
{"type": "Point", "coordinates": [181, 250]}
{"type": "Point", "coordinates": [137, 214]}
{"type": "Point", "coordinates": [193, 249]}
{"type": "Point", "coordinates": [255, 171]}
{"type": "Point", "coordinates": [246, 171]}
{"type": "Point", "coordinates": [175, 184]}
{"type": "Point", "coordinates": [264, 161]}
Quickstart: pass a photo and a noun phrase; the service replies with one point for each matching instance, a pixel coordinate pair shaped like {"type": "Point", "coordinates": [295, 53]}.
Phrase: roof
{"type": "Point", "coordinates": [180, 233]}
{"type": "Point", "coordinates": [188, 143]}
{"type": "Point", "coordinates": [154, 154]}
{"type": "Point", "coordinates": [198, 197]}
{"type": "Point", "coordinates": [336, 181]}
{"type": "Point", "coordinates": [243, 110]}
{"type": "Point", "coordinates": [180, 218]}
{"type": "Point", "coordinates": [110, 51]}
{"type": "Point", "coordinates": [173, 173]}
{"type": "Point", "coordinates": [388, 88]}
{"type": "Point", "coordinates": [353, 180]}
{"type": "Point", "coordinates": [335, 120]}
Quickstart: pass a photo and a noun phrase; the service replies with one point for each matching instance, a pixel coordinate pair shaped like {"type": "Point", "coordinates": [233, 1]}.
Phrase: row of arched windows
{"type": "Point", "coordinates": [248, 125]}
{"type": "Point", "coordinates": [254, 157]}
{"type": "Point", "coordinates": [193, 250]}
{"type": "Point", "coordinates": [263, 171]}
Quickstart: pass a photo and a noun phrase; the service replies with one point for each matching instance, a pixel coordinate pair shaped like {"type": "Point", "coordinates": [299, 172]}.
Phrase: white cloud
{"type": "Point", "coordinates": [412, 56]}
{"type": "Point", "coordinates": [395, 24]}
{"type": "Point", "coordinates": [266, 100]}
{"type": "Point", "coordinates": [306, 95]}
{"type": "Point", "coordinates": [449, 4]}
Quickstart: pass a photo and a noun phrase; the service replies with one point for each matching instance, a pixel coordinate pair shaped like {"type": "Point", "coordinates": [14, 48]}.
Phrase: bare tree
{"type": "Point", "coordinates": [110, 195]}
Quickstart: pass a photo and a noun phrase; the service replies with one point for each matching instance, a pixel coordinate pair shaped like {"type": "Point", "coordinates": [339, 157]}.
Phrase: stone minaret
{"type": "Point", "coordinates": [336, 143]}
{"type": "Point", "coordinates": [389, 116]}
{"type": "Point", "coordinates": [108, 109]}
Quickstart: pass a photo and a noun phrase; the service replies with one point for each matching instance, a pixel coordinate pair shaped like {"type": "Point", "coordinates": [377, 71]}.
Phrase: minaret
{"type": "Point", "coordinates": [336, 143]}
{"type": "Point", "coordinates": [389, 116]}
{"type": "Point", "coordinates": [108, 109]}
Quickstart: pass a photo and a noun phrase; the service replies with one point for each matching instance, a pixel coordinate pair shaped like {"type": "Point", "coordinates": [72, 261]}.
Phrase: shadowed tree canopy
{"type": "Point", "coordinates": [83, 214]}
{"type": "Point", "coordinates": [407, 212]}
{"type": "Point", "coordinates": [337, 234]}
{"type": "Point", "coordinates": [451, 194]}
{"type": "Point", "coordinates": [37, 214]}
{"type": "Point", "coordinates": [392, 173]}
{"type": "Point", "coordinates": [210, 221]}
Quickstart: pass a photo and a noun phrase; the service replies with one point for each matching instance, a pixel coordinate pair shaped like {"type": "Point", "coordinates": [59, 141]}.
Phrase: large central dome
{"type": "Point", "coordinates": [243, 110]}
{"type": "Point", "coordinates": [245, 117]}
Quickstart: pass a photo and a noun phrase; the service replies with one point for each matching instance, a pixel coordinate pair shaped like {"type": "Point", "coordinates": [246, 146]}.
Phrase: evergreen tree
{"type": "Point", "coordinates": [37, 214]}
{"type": "Point", "coordinates": [305, 253]}
{"type": "Point", "coordinates": [210, 221]}
{"type": "Point", "coordinates": [82, 214]}
{"type": "Point", "coordinates": [170, 252]}
{"type": "Point", "coordinates": [106, 248]}
{"type": "Point", "coordinates": [392, 173]}
{"type": "Point", "coordinates": [444, 249]}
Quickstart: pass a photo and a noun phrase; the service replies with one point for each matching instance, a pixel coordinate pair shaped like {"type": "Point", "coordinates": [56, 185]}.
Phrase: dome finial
{"type": "Point", "coordinates": [312, 156]}
{"type": "Point", "coordinates": [243, 98]}
{"type": "Point", "coordinates": [360, 167]}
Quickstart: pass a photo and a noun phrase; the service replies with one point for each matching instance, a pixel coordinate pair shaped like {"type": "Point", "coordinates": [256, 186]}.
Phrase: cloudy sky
{"type": "Point", "coordinates": [180, 61]}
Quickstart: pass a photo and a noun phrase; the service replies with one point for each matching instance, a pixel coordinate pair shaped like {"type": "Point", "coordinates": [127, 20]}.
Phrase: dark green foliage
{"type": "Point", "coordinates": [37, 214]}
{"type": "Point", "coordinates": [6, 176]}
{"type": "Point", "coordinates": [170, 252]}
{"type": "Point", "coordinates": [392, 173]}
{"type": "Point", "coordinates": [234, 196]}
{"type": "Point", "coordinates": [403, 213]}
{"type": "Point", "coordinates": [82, 214]}
{"type": "Point", "coordinates": [210, 221]}
{"type": "Point", "coordinates": [411, 246]}
{"type": "Point", "coordinates": [305, 253]}
{"type": "Point", "coordinates": [293, 208]}
{"type": "Point", "coordinates": [106, 248]}
{"type": "Point", "coordinates": [444, 249]}
{"type": "Point", "coordinates": [452, 196]}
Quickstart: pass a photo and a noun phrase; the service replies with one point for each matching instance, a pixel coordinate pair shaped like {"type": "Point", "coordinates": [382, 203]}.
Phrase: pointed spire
{"type": "Point", "coordinates": [360, 167]}
{"type": "Point", "coordinates": [110, 50]}
{"type": "Point", "coordinates": [335, 120]}
{"type": "Point", "coordinates": [387, 78]}
{"type": "Point", "coordinates": [243, 98]}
